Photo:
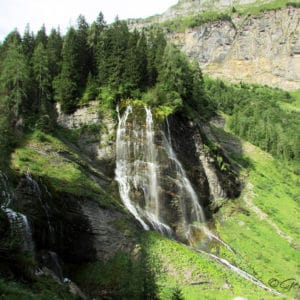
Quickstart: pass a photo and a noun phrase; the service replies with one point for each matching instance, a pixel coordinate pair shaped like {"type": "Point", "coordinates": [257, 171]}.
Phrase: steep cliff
{"type": "Point", "coordinates": [261, 47]}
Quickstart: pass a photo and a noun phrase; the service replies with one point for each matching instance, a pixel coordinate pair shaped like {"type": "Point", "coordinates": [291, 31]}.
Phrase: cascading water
{"type": "Point", "coordinates": [139, 178]}
{"type": "Point", "coordinates": [187, 192]}
{"type": "Point", "coordinates": [137, 170]}
{"type": "Point", "coordinates": [6, 194]}
{"type": "Point", "coordinates": [19, 224]}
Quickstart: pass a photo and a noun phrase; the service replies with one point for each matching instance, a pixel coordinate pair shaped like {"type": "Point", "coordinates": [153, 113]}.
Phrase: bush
{"type": "Point", "coordinates": [294, 4]}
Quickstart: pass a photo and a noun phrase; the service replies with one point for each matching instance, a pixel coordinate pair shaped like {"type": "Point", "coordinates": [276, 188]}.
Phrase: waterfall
{"type": "Point", "coordinates": [138, 174]}
{"type": "Point", "coordinates": [137, 168]}
{"type": "Point", "coordinates": [20, 226]}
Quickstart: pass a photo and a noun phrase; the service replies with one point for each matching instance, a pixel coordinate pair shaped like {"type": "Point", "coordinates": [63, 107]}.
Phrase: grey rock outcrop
{"type": "Point", "coordinates": [86, 115]}
{"type": "Point", "coordinates": [104, 226]}
{"type": "Point", "coordinates": [78, 229]}
{"type": "Point", "coordinates": [98, 143]}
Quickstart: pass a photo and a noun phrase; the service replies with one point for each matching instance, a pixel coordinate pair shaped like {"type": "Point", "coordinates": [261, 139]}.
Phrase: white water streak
{"type": "Point", "coordinates": [122, 165]}
{"type": "Point", "coordinates": [19, 224]}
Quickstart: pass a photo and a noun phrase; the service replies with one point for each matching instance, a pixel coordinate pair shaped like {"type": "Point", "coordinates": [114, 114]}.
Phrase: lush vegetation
{"type": "Point", "coordinates": [93, 62]}
{"type": "Point", "coordinates": [62, 168]}
{"type": "Point", "coordinates": [257, 116]}
{"type": "Point", "coordinates": [265, 6]}
{"type": "Point", "coordinates": [42, 289]}
{"type": "Point", "coordinates": [194, 275]}
{"type": "Point", "coordinates": [122, 277]}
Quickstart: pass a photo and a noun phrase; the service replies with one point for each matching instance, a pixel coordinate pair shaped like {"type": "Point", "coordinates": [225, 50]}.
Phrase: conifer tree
{"type": "Point", "coordinates": [42, 77]}
{"type": "Point", "coordinates": [28, 42]}
{"type": "Point", "coordinates": [67, 82]}
{"type": "Point", "coordinates": [54, 48]}
{"type": "Point", "coordinates": [15, 78]}
{"type": "Point", "coordinates": [84, 53]}
{"type": "Point", "coordinates": [41, 36]}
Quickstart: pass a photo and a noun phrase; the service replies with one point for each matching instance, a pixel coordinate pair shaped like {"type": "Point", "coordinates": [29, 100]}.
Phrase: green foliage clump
{"type": "Point", "coordinates": [261, 6]}
{"type": "Point", "coordinates": [180, 24]}
{"type": "Point", "coordinates": [43, 288]}
{"type": "Point", "coordinates": [122, 277]}
{"type": "Point", "coordinates": [293, 4]}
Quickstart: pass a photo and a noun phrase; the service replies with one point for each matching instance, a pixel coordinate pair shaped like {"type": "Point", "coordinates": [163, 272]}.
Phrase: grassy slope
{"type": "Point", "coordinates": [212, 13]}
{"type": "Point", "coordinates": [295, 105]}
{"type": "Point", "coordinates": [60, 166]}
{"type": "Point", "coordinates": [179, 267]}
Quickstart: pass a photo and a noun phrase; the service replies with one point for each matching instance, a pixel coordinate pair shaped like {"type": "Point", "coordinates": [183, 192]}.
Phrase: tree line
{"type": "Point", "coordinates": [90, 62]}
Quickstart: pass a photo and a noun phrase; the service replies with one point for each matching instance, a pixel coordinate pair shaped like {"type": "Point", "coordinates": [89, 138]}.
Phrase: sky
{"type": "Point", "coordinates": [63, 13]}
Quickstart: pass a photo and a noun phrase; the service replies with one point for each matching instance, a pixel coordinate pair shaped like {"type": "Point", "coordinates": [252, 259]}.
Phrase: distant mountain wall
{"type": "Point", "coordinates": [262, 48]}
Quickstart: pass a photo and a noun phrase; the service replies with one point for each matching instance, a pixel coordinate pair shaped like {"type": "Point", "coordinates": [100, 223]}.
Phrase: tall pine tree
{"type": "Point", "coordinates": [42, 77]}
{"type": "Point", "coordinates": [15, 79]}
{"type": "Point", "coordinates": [67, 83]}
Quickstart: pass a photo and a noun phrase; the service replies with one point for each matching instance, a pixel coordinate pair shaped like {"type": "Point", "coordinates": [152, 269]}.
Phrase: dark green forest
{"type": "Point", "coordinates": [90, 62]}
{"type": "Point", "coordinates": [257, 116]}
{"type": "Point", "coordinates": [109, 63]}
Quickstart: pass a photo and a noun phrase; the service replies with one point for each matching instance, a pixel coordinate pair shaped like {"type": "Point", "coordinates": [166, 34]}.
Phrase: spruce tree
{"type": "Point", "coordinates": [54, 48]}
{"type": "Point", "coordinates": [28, 42]}
{"type": "Point", "coordinates": [67, 88]}
{"type": "Point", "coordinates": [42, 77]}
{"type": "Point", "coordinates": [41, 36]}
{"type": "Point", "coordinates": [84, 54]}
{"type": "Point", "coordinates": [14, 79]}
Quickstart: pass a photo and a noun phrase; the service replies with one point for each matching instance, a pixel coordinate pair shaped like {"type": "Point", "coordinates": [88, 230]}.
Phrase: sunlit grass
{"type": "Point", "coordinates": [45, 156]}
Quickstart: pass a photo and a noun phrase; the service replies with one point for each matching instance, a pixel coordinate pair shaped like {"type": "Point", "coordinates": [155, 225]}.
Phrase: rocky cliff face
{"type": "Point", "coordinates": [263, 48]}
